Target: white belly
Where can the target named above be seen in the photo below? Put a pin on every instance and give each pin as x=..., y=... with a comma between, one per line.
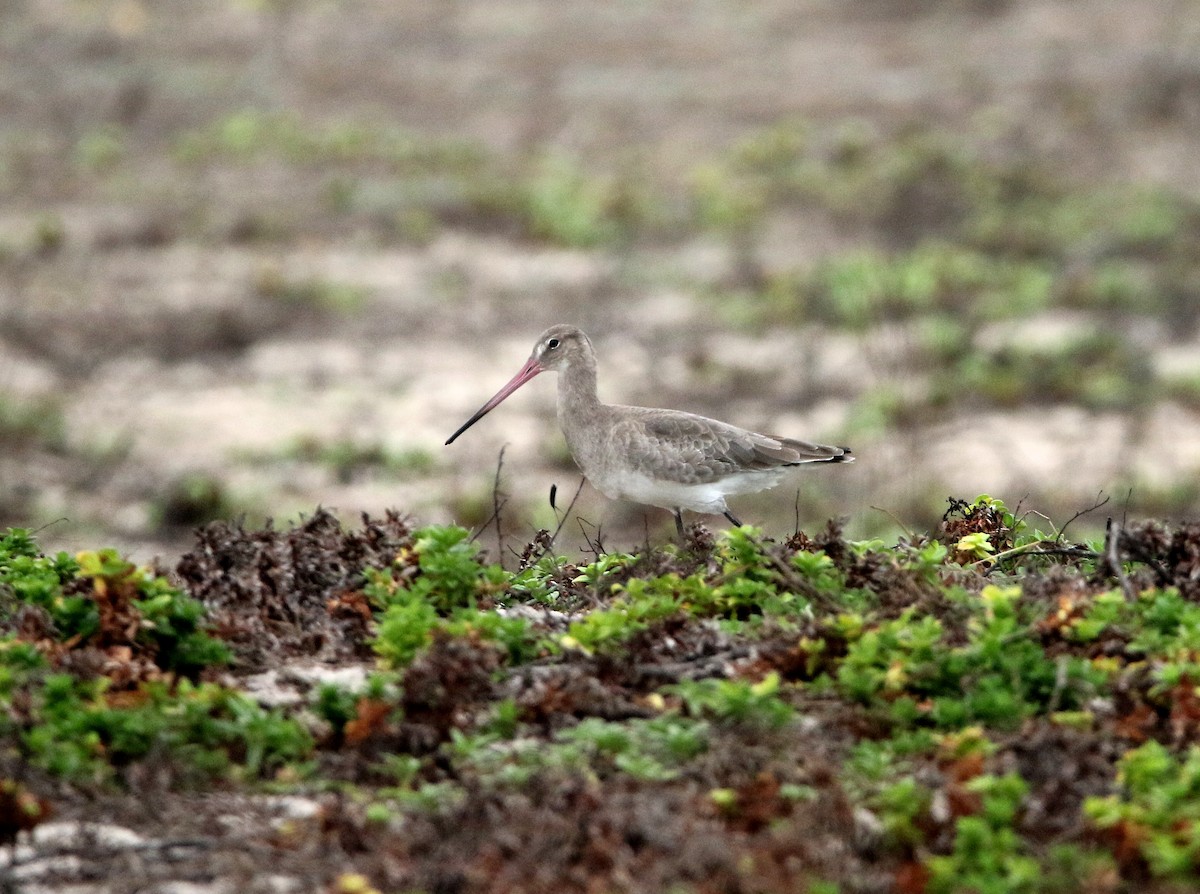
x=709, y=497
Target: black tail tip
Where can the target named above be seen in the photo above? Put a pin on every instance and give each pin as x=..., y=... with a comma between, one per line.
x=846, y=456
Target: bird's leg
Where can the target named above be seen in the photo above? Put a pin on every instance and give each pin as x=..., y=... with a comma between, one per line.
x=733, y=519
x=679, y=523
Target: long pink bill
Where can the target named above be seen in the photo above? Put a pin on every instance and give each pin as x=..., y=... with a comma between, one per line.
x=528, y=371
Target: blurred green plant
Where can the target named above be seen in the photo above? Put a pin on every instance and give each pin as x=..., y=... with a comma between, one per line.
x=313, y=292
x=1157, y=810
x=1099, y=370
x=201, y=731
x=347, y=458
x=989, y=856
x=738, y=702
x=191, y=500
x=101, y=149
x=253, y=134
x=652, y=750
x=88, y=727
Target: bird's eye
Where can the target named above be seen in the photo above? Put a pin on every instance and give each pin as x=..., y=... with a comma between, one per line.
x=552, y=344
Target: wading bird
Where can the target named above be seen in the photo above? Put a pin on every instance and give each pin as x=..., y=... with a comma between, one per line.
x=664, y=458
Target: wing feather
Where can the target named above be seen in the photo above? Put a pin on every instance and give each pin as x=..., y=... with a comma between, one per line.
x=691, y=449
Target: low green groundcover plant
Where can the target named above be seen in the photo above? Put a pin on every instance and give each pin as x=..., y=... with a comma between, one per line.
x=98, y=598
x=900, y=681
x=151, y=640
x=441, y=584
x=1158, y=808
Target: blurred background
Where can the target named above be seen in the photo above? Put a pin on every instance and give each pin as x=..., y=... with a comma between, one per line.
x=257, y=257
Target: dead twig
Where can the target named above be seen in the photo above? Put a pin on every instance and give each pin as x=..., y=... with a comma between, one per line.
x=596, y=547
x=61, y=519
x=896, y=519
x=543, y=540
x=567, y=512
x=1036, y=548
x=1112, y=537
x=1061, y=671
x=1082, y=512
x=498, y=505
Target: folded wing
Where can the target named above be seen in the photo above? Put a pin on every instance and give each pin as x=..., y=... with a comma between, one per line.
x=691, y=449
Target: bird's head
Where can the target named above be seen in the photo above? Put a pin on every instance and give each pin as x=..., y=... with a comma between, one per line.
x=555, y=350
x=558, y=347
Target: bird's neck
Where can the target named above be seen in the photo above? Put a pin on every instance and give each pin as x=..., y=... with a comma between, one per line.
x=577, y=390
x=582, y=418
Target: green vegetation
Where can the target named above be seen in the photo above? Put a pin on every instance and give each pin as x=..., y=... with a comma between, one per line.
x=998, y=677
x=551, y=197
x=1159, y=809
x=206, y=732
x=1096, y=370
x=937, y=279
x=440, y=585
x=737, y=701
x=988, y=854
x=556, y=202
x=101, y=149
x=348, y=459
x=963, y=246
x=98, y=597
x=1017, y=225
x=650, y=750
x=923, y=676
x=312, y=293
x=251, y=134
x=150, y=640
x=193, y=499
x=25, y=422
